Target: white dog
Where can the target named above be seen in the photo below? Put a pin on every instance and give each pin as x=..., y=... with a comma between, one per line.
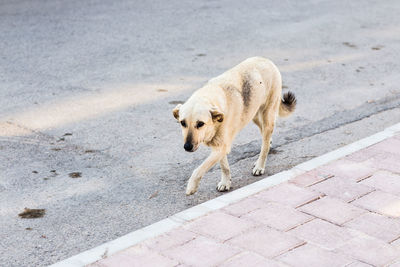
x=215, y=113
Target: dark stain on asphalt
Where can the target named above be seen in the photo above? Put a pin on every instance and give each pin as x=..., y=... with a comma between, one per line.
x=75, y=174
x=67, y=134
x=32, y=213
x=348, y=44
x=378, y=47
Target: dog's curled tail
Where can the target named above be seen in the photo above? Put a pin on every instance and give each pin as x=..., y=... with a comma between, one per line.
x=288, y=104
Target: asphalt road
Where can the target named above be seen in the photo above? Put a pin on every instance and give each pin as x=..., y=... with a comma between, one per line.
x=88, y=86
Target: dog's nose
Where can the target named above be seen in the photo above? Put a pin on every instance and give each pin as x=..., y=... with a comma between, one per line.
x=188, y=146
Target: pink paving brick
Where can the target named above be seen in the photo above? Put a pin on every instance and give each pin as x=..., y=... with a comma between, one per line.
x=391, y=145
x=364, y=154
x=172, y=238
x=396, y=243
x=378, y=226
x=265, y=241
x=342, y=188
x=220, y=225
x=201, y=251
x=380, y=202
x=377, y=151
x=310, y=178
x=288, y=194
x=137, y=256
x=244, y=206
x=333, y=210
x=322, y=233
x=370, y=250
x=345, y=168
x=358, y=264
x=278, y=216
x=250, y=259
x=313, y=256
x=385, y=181
x=387, y=161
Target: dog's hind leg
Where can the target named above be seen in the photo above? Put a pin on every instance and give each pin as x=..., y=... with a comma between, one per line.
x=198, y=173
x=225, y=183
x=266, y=121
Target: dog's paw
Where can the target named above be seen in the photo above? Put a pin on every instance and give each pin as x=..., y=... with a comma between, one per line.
x=191, y=188
x=190, y=191
x=224, y=186
x=258, y=171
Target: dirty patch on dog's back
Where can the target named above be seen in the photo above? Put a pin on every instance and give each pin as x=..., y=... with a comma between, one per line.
x=246, y=93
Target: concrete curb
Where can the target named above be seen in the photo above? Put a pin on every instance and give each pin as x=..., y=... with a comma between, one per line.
x=133, y=238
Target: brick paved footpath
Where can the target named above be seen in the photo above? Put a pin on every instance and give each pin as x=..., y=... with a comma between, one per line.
x=345, y=213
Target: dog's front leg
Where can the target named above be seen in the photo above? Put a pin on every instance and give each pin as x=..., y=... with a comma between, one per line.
x=213, y=158
x=225, y=183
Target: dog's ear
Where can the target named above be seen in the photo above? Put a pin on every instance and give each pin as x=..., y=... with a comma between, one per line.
x=175, y=111
x=217, y=115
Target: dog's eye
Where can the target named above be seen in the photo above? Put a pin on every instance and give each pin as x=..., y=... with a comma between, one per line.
x=183, y=123
x=199, y=124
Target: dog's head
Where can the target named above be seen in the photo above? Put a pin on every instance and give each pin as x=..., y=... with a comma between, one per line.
x=199, y=123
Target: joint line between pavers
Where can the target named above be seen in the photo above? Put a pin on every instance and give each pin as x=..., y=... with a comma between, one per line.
x=397, y=238
x=300, y=224
x=316, y=217
x=310, y=201
x=293, y=248
x=326, y=177
x=363, y=195
x=364, y=178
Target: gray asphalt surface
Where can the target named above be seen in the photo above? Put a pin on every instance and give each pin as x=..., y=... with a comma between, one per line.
x=88, y=86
